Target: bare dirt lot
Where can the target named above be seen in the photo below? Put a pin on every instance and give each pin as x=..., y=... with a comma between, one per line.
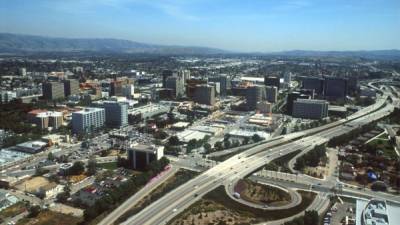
x=33, y=184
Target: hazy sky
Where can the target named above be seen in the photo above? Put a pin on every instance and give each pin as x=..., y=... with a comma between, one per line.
x=242, y=25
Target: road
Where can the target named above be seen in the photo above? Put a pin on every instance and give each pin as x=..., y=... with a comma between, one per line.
x=133, y=200
x=295, y=197
x=239, y=166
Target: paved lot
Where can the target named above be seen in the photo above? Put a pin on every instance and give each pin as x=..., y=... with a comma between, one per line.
x=342, y=212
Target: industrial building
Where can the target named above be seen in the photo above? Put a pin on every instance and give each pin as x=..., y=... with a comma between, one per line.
x=149, y=110
x=310, y=109
x=140, y=155
x=30, y=147
x=88, y=120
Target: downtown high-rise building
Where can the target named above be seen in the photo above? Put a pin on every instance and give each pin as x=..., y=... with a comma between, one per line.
x=88, y=120
x=53, y=90
x=116, y=113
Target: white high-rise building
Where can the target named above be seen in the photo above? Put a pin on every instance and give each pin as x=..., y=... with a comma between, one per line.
x=87, y=120
x=128, y=90
x=22, y=72
x=287, y=79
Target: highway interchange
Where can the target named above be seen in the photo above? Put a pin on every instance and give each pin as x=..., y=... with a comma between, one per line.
x=231, y=170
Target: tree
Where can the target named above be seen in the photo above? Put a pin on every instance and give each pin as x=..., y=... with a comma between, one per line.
x=63, y=196
x=218, y=146
x=34, y=211
x=311, y=218
x=173, y=140
x=246, y=140
x=207, y=147
x=191, y=145
x=77, y=168
x=91, y=166
x=300, y=163
x=50, y=156
x=256, y=138
x=227, y=143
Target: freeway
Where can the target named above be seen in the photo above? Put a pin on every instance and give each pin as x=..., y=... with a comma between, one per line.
x=239, y=166
x=133, y=200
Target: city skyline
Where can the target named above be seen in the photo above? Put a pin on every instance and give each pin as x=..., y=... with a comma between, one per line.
x=230, y=25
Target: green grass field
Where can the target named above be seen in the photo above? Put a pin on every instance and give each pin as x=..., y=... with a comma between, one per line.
x=108, y=166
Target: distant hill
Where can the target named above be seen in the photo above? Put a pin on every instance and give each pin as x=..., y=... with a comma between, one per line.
x=17, y=43
x=378, y=54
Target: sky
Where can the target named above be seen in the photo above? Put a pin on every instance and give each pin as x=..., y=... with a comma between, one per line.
x=236, y=25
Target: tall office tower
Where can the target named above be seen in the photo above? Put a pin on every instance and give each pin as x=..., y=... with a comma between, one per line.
x=272, y=81
x=165, y=75
x=291, y=97
x=217, y=86
x=177, y=85
x=352, y=85
x=314, y=83
x=87, y=120
x=310, y=109
x=71, y=87
x=22, y=72
x=191, y=86
x=204, y=94
x=224, y=81
x=116, y=88
x=335, y=88
x=254, y=95
x=185, y=74
x=53, y=90
x=128, y=90
x=116, y=114
x=287, y=79
x=271, y=94
x=264, y=107
x=309, y=92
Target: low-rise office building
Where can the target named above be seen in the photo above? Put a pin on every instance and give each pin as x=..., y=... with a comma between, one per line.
x=310, y=109
x=141, y=155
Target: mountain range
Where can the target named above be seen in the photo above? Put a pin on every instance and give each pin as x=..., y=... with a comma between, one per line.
x=18, y=43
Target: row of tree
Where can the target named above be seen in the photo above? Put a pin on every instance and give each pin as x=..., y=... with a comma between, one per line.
x=344, y=138
x=309, y=218
x=311, y=158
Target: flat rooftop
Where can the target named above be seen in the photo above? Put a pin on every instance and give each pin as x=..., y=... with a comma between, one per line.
x=89, y=110
x=392, y=212
x=8, y=156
